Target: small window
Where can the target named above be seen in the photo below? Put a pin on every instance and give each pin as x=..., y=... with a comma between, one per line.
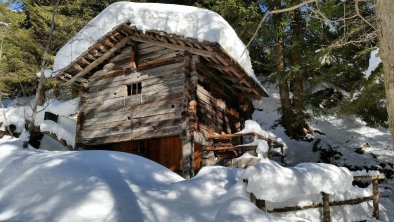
x=50, y=116
x=134, y=89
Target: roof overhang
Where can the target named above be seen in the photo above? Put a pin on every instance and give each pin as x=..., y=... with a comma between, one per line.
x=119, y=36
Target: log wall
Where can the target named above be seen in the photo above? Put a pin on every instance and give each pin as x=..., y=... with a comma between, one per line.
x=216, y=114
x=109, y=114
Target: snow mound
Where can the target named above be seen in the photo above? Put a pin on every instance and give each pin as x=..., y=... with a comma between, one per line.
x=65, y=128
x=272, y=182
x=74, y=186
x=82, y=186
x=196, y=23
x=251, y=126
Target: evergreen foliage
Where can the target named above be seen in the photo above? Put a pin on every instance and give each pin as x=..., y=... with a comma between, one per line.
x=329, y=43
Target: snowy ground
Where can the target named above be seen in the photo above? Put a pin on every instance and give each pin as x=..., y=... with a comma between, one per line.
x=112, y=186
x=342, y=136
x=19, y=109
x=39, y=185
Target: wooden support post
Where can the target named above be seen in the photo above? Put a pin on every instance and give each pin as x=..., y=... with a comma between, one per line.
x=133, y=58
x=186, y=156
x=83, y=94
x=326, y=207
x=269, y=150
x=375, y=198
x=261, y=204
x=255, y=138
x=190, y=103
x=282, y=157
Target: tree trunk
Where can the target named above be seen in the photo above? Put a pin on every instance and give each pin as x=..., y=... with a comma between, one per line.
x=280, y=63
x=42, y=76
x=296, y=54
x=282, y=78
x=297, y=121
x=385, y=28
x=283, y=81
x=42, y=97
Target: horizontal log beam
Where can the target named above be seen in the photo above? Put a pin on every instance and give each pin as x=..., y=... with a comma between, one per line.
x=200, y=52
x=98, y=61
x=320, y=205
x=363, y=178
x=218, y=67
x=218, y=148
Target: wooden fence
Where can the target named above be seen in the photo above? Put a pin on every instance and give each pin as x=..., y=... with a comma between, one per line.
x=326, y=203
x=233, y=142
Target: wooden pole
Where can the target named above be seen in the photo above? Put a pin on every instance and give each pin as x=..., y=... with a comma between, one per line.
x=375, y=198
x=282, y=157
x=269, y=153
x=326, y=207
x=259, y=203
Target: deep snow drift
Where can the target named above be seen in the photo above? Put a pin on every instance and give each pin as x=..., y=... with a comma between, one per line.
x=113, y=186
x=40, y=185
x=64, y=128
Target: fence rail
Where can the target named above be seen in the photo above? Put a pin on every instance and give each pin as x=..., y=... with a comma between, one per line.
x=326, y=204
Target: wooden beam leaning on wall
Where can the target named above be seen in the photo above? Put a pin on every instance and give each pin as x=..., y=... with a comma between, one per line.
x=190, y=106
x=98, y=61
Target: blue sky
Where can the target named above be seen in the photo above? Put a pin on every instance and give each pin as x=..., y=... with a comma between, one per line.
x=15, y=6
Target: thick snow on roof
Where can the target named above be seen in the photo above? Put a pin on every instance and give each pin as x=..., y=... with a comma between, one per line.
x=197, y=23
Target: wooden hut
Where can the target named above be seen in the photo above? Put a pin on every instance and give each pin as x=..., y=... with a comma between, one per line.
x=158, y=95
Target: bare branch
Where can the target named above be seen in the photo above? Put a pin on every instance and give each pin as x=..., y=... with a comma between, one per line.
x=276, y=11
x=299, y=5
x=369, y=37
x=25, y=96
x=359, y=14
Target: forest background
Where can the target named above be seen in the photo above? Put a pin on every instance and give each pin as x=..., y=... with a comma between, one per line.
x=317, y=55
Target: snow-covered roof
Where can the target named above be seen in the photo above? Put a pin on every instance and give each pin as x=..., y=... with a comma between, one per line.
x=191, y=22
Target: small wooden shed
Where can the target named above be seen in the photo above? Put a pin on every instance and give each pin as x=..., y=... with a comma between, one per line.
x=158, y=95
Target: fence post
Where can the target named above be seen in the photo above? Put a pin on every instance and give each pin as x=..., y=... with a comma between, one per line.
x=255, y=138
x=282, y=158
x=269, y=153
x=259, y=203
x=375, y=198
x=326, y=207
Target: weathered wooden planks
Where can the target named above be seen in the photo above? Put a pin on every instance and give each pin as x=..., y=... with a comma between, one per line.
x=123, y=104
x=101, y=59
x=135, y=135
x=111, y=112
x=215, y=114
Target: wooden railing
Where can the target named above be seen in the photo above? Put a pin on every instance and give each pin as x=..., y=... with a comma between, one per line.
x=326, y=203
x=232, y=143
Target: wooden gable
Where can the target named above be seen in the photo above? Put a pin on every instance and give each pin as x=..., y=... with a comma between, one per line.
x=212, y=55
